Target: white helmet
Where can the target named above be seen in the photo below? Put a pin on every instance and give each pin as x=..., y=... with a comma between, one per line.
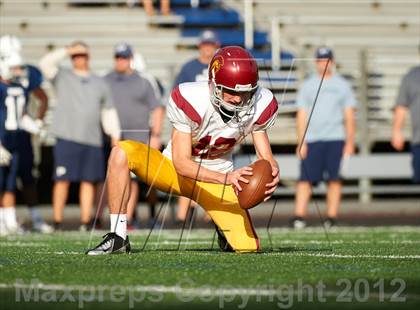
x=7, y=62
x=10, y=44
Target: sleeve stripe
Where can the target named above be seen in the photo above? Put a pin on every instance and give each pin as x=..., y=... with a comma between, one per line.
x=269, y=111
x=185, y=106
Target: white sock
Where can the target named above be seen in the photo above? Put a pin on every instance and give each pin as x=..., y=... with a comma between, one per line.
x=1, y=216
x=9, y=215
x=119, y=224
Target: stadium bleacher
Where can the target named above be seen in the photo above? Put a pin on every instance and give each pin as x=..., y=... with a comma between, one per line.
x=212, y=17
x=226, y=36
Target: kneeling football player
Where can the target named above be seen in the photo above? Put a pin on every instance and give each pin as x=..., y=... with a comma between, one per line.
x=209, y=119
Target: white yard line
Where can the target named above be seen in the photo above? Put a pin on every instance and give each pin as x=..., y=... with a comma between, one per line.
x=291, y=241
x=332, y=255
x=64, y=253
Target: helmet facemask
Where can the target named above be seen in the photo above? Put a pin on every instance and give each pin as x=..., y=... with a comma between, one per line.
x=10, y=65
x=228, y=111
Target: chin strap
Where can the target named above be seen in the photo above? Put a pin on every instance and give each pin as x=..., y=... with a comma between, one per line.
x=226, y=115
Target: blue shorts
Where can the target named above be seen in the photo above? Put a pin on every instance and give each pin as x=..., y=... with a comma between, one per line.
x=8, y=174
x=19, y=144
x=77, y=162
x=416, y=163
x=322, y=162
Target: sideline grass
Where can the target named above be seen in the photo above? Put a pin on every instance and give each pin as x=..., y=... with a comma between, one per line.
x=360, y=268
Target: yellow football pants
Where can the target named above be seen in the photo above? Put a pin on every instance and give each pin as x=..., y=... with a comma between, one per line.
x=218, y=200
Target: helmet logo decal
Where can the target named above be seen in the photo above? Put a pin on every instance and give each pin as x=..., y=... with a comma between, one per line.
x=217, y=64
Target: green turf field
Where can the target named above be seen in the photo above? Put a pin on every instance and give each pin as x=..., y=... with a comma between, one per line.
x=359, y=268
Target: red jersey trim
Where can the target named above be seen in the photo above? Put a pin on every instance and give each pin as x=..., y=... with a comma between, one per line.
x=185, y=106
x=269, y=111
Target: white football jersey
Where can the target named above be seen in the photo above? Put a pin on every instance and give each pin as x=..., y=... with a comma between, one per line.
x=190, y=110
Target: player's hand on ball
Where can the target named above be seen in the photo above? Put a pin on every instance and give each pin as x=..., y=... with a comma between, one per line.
x=271, y=187
x=235, y=176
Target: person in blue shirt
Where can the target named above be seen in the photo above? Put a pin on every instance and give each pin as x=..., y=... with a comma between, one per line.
x=329, y=137
x=196, y=70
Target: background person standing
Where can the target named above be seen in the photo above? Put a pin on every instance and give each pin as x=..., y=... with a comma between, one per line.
x=30, y=78
x=330, y=135
x=84, y=101
x=408, y=100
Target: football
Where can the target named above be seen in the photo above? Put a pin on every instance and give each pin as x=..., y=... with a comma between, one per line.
x=253, y=193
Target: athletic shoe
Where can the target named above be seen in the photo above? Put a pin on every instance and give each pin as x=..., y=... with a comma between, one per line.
x=83, y=227
x=111, y=244
x=221, y=240
x=330, y=222
x=42, y=228
x=15, y=230
x=297, y=222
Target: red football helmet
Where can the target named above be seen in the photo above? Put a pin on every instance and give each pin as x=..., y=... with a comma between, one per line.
x=233, y=68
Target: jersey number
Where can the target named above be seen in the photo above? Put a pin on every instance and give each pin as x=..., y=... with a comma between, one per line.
x=221, y=146
x=14, y=105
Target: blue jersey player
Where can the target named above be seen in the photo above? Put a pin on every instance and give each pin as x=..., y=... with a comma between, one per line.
x=30, y=78
x=13, y=99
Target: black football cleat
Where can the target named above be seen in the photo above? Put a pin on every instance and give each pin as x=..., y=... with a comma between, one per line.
x=112, y=244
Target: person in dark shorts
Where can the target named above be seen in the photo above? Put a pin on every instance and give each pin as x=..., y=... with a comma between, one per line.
x=84, y=103
x=329, y=137
x=409, y=100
